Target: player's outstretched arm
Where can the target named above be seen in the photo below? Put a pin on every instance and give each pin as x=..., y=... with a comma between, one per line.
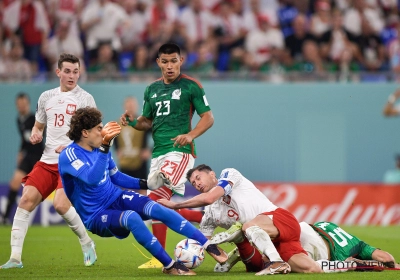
x=141, y=123
x=37, y=133
x=200, y=200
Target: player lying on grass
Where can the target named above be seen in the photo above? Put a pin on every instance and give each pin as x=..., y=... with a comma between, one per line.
x=272, y=230
x=91, y=181
x=330, y=246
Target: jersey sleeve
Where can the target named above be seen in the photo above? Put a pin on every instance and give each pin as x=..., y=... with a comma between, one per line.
x=207, y=224
x=90, y=101
x=40, y=115
x=199, y=99
x=366, y=251
x=121, y=179
x=229, y=175
x=72, y=162
x=146, y=112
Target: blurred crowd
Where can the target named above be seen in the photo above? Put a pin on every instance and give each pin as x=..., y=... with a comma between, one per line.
x=121, y=37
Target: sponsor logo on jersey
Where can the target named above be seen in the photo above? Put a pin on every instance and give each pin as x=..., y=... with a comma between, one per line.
x=71, y=108
x=60, y=101
x=104, y=218
x=77, y=164
x=154, y=96
x=176, y=94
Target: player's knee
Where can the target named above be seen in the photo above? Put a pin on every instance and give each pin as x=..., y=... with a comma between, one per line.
x=153, y=181
x=29, y=202
x=61, y=206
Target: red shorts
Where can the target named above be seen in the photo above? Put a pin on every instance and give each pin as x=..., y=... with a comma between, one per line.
x=288, y=242
x=44, y=177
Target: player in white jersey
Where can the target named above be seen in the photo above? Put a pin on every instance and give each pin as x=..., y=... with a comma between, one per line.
x=273, y=231
x=54, y=110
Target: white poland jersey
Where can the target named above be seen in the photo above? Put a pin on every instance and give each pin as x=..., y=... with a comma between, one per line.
x=55, y=109
x=241, y=202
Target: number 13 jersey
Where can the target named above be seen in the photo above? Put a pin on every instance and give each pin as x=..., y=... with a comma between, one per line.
x=55, y=109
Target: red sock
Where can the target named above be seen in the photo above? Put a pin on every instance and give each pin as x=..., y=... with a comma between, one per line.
x=159, y=229
x=251, y=257
x=191, y=215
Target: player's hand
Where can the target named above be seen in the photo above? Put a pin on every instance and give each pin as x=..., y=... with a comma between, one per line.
x=109, y=132
x=167, y=203
x=36, y=138
x=182, y=140
x=125, y=117
x=59, y=149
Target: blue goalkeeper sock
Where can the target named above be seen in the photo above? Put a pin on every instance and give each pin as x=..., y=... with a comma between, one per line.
x=134, y=223
x=174, y=221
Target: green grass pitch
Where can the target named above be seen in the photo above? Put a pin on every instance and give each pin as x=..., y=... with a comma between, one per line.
x=54, y=253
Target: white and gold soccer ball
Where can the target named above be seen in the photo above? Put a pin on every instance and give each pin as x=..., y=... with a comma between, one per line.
x=190, y=253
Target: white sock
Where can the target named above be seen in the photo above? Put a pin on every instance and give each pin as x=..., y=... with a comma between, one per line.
x=334, y=266
x=18, y=233
x=75, y=223
x=263, y=242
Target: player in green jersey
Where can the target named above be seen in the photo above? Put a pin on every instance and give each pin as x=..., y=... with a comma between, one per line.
x=331, y=247
x=169, y=105
x=333, y=243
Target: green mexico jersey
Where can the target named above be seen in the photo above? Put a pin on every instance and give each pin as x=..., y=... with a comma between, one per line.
x=342, y=244
x=171, y=108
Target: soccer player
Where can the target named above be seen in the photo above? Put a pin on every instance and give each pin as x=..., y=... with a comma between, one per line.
x=169, y=105
x=331, y=247
x=325, y=241
x=28, y=154
x=54, y=110
x=90, y=178
x=272, y=230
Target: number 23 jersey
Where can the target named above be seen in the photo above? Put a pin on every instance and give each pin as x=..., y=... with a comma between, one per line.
x=171, y=108
x=55, y=109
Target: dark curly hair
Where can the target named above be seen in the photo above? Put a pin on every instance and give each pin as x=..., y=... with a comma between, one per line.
x=84, y=118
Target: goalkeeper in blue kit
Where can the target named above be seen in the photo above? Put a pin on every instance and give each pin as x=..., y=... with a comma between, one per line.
x=93, y=184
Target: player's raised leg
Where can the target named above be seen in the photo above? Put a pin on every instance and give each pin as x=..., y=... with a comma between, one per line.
x=180, y=225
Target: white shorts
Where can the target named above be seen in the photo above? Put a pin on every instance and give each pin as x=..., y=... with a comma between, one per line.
x=175, y=165
x=313, y=243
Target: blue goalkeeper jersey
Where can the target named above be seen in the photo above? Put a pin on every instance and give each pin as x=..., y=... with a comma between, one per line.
x=90, y=180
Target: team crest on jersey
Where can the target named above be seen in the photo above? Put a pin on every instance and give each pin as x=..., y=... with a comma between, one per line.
x=176, y=94
x=71, y=108
x=104, y=218
x=227, y=199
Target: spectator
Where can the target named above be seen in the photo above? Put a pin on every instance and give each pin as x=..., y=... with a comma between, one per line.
x=262, y=44
x=373, y=53
x=198, y=23
x=100, y=22
x=392, y=176
x=353, y=18
x=321, y=20
x=15, y=67
x=287, y=12
x=133, y=33
x=63, y=41
x=70, y=10
x=230, y=34
x=336, y=46
x=104, y=67
x=28, y=19
x=301, y=47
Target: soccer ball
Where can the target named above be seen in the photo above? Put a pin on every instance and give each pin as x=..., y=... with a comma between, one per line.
x=190, y=253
